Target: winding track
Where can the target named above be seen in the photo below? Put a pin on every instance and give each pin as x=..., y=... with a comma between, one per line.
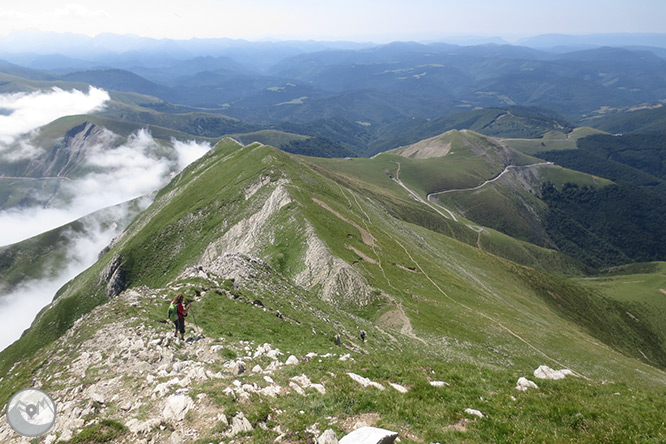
x=406, y=328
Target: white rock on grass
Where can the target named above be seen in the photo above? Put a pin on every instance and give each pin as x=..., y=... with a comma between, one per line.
x=370, y=435
x=176, y=407
x=237, y=368
x=239, y=424
x=292, y=360
x=439, y=384
x=328, y=437
x=320, y=388
x=271, y=391
x=365, y=382
x=297, y=388
x=302, y=380
x=525, y=384
x=398, y=387
x=545, y=372
x=474, y=412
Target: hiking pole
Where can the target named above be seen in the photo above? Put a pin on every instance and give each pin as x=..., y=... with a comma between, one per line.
x=195, y=322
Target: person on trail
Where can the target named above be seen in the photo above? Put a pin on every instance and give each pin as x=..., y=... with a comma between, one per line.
x=363, y=335
x=181, y=311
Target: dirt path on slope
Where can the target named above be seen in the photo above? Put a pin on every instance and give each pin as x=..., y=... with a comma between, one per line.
x=506, y=170
x=416, y=196
x=366, y=237
x=404, y=322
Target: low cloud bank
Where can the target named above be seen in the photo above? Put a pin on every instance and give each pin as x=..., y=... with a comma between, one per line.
x=120, y=173
x=20, y=306
x=24, y=112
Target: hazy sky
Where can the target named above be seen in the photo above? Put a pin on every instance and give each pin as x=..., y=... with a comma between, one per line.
x=362, y=20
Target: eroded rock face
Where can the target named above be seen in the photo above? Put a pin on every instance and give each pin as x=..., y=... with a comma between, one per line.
x=338, y=279
x=114, y=276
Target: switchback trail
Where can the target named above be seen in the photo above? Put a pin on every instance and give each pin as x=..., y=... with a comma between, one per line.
x=422, y=200
x=506, y=170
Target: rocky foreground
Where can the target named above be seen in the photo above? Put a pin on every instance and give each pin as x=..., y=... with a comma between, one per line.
x=156, y=388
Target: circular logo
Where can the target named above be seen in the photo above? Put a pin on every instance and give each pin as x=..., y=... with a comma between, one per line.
x=31, y=412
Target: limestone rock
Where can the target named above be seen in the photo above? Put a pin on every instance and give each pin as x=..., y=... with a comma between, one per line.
x=365, y=381
x=545, y=372
x=292, y=360
x=238, y=368
x=297, y=388
x=320, y=388
x=369, y=435
x=239, y=424
x=302, y=380
x=474, y=412
x=439, y=384
x=398, y=387
x=328, y=437
x=176, y=407
x=525, y=384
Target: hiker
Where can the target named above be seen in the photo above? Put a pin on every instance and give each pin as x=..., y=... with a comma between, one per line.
x=181, y=312
x=363, y=335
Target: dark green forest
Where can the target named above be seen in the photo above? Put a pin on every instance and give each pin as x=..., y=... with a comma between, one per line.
x=639, y=159
x=609, y=226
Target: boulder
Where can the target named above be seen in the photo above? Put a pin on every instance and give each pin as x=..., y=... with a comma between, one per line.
x=525, y=384
x=238, y=368
x=369, y=435
x=302, y=380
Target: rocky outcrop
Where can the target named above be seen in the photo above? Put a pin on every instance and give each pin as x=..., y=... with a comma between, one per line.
x=114, y=277
x=70, y=152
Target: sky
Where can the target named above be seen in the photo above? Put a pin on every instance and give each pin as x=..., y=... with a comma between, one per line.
x=367, y=20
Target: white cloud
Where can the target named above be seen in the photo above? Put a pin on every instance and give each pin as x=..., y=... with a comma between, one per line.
x=189, y=151
x=24, y=302
x=30, y=111
x=120, y=173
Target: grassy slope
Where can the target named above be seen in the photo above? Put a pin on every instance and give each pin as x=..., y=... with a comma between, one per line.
x=551, y=141
x=483, y=318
